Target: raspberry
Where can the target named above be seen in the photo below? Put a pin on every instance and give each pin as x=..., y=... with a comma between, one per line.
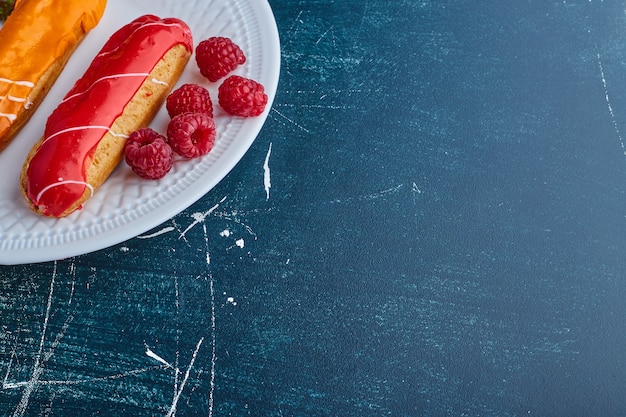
x=191, y=134
x=189, y=98
x=241, y=96
x=148, y=154
x=217, y=56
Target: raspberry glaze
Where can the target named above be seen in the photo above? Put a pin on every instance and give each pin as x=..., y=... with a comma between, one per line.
x=57, y=173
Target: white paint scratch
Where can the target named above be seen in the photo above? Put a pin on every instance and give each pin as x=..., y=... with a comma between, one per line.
x=383, y=192
x=13, y=355
x=266, y=173
x=206, y=244
x=172, y=411
x=177, y=306
x=608, y=102
x=158, y=233
x=293, y=30
x=213, y=344
x=37, y=368
x=73, y=275
x=49, y=343
x=213, y=320
x=324, y=35
x=121, y=375
x=291, y=121
x=157, y=358
x=198, y=219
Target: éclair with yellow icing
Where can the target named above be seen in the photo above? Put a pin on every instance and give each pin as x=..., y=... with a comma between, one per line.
x=36, y=41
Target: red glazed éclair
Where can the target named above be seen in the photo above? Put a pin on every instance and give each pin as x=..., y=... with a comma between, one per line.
x=36, y=41
x=120, y=92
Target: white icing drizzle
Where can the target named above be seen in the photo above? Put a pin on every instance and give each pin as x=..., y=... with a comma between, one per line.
x=144, y=25
x=20, y=83
x=137, y=74
x=15, y=99
x=73, y=129
x=56, y=184
x=118, y=135
x=154, y=80
x=11, y=117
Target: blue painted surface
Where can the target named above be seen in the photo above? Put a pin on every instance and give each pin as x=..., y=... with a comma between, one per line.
x=445, y=235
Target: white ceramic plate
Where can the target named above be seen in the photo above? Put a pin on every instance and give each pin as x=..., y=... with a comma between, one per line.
x=126, y=206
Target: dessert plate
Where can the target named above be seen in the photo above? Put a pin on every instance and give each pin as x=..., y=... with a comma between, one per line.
x=126, y=206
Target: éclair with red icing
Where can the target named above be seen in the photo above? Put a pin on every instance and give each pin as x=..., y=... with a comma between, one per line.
x=37, y=39
x=120, y=92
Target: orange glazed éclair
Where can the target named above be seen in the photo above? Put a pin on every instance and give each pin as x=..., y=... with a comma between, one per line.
x=36, y=41
x=120, y=92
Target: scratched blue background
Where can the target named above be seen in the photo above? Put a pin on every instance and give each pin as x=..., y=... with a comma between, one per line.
x=445, y=235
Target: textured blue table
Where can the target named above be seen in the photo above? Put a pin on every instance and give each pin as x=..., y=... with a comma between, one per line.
x=445, y=235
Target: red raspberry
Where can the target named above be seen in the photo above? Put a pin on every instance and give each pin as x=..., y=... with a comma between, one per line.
x=241, y=96
x=189, y=98
x=148, y=154
x=217, y=56
x=191, y=134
